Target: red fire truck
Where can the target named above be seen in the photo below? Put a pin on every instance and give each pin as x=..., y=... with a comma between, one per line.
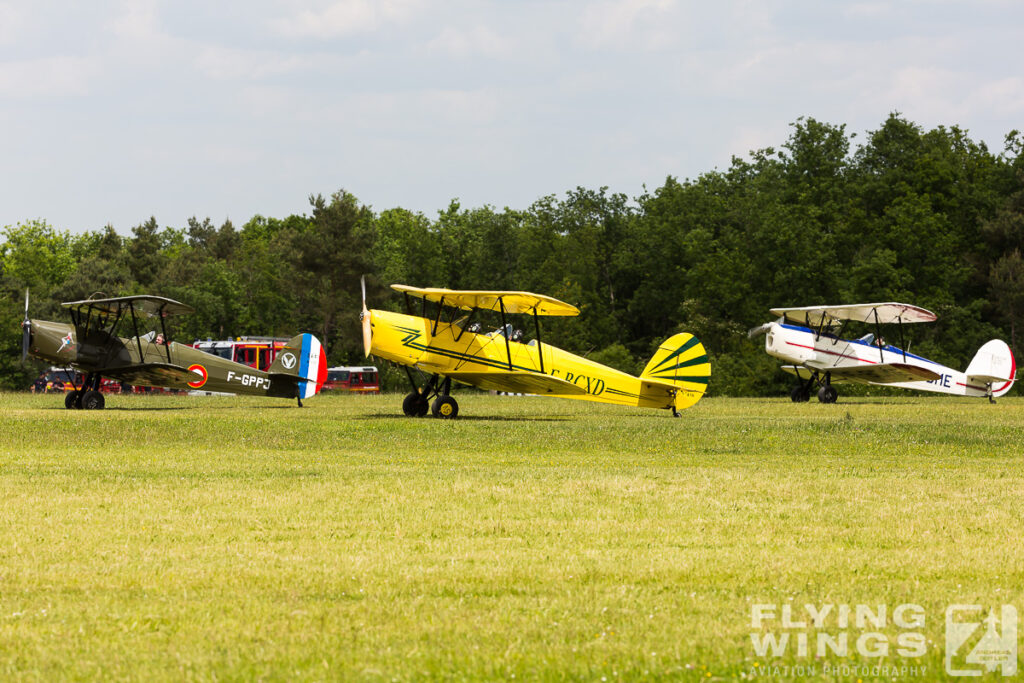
x=256, y=352
x=361, y=379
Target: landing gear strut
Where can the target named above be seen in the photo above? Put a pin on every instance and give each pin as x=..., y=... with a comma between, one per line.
x=417, y=402
x=827, y=393
x=88, y=396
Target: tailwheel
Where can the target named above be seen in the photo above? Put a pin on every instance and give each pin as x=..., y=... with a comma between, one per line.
x=415, y=404
x=800, y=394
x=92, y=400
x=827, y=394
x=71, y=400
x=445, y=407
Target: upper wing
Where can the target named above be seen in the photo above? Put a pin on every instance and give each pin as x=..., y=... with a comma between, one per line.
x=512, y=302
x=142, y=305
x=889, y=312
x=524, y=382
x=152, y=374
x=879, y=373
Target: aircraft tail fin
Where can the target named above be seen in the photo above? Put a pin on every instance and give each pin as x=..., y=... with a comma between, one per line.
x=993, y=364
x=682, y=361
x=304, y=360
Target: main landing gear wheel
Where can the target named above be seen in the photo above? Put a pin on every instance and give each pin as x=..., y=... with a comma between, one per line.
x=71, y=400
x=445, y=407
x=415, y=404
x=800, y=394
x=827, y=394
x=92, y=400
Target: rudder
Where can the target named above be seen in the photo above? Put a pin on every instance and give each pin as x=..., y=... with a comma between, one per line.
x=681, y=360
x=993, y=364
x=302, y=358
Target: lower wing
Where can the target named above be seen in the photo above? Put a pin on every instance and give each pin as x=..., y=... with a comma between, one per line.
x=152, y=374
x=516, y=382
x=879, y=373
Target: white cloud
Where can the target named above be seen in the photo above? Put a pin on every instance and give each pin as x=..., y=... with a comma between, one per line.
x=621, y=23
x=138, y=21
x=12, y=22
x=346, y=17
x=223, y=63
x=59, y=76
x=1004, y=97
x=423, y=110
x=475, y=41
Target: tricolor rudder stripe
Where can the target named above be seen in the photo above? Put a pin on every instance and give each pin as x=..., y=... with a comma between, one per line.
x=312, y=367
x=681, y=360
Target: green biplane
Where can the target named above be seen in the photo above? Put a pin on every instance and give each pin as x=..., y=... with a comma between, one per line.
x=92, y=345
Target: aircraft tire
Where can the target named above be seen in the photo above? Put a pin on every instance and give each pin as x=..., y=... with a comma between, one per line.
x=415, y=405
x=799, y=394
x=93, y=400
x=445, y=408
x=827, y=394
x=71, y=400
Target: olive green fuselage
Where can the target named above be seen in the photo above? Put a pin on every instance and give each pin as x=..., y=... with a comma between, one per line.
x=145, y=362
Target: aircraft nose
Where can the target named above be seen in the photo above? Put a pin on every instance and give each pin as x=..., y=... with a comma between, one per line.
x=367, y=319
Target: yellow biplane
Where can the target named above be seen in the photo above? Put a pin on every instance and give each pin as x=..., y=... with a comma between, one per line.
x=450, y=345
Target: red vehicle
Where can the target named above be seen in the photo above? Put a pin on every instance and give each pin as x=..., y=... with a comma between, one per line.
x=362, y=379
x=59, y=380
x=256, y=352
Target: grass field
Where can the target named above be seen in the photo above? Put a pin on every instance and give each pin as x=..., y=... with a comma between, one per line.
x=229, y=538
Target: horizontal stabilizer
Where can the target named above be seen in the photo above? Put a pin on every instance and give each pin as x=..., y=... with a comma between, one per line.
x=517, y=382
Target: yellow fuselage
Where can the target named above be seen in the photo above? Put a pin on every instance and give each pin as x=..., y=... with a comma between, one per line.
x=490, y=362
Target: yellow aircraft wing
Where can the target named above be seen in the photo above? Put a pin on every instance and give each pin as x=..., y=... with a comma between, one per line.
x=513, y=302
x=525, y=382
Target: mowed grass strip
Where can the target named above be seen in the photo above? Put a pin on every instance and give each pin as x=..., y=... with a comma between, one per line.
x=211, y=538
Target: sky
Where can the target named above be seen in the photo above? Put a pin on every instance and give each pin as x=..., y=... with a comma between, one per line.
x=112, y=112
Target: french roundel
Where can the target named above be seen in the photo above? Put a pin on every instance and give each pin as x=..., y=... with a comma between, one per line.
x=199, y=370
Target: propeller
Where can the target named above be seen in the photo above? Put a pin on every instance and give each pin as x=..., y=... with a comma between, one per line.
x=26, y=331
x=760, y=329
x=364, y=316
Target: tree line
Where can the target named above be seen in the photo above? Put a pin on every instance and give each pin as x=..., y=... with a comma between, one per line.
x=904, y=214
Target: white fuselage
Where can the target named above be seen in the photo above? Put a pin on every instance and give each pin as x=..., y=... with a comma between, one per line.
x=810, y=352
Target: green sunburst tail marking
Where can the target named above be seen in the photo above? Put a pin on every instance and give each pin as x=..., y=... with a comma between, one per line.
x=682, y=361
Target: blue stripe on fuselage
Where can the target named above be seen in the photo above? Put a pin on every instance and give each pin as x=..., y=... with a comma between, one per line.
x=304, y=357
x=893, y=349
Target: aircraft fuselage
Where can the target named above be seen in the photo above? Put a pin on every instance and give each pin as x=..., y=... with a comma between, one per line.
x=811, y=352
x=448, y=349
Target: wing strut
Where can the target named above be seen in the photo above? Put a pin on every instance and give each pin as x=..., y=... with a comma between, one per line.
x=465, y=326
x=839, y=334
x=504, y=332
x=135, y=326
x=903, y=344
x=540, y=353
x=167, y=341
x=878, y=337
x=440, y=310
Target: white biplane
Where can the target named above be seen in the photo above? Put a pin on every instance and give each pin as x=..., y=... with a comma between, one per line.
x=808, y=338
